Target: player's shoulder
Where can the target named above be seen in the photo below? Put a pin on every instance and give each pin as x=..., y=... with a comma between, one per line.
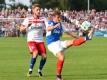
x=29, y=17
x=42, y=18
x=50, y=22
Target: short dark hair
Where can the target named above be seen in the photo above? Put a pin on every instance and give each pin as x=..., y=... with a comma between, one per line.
x=36, y=5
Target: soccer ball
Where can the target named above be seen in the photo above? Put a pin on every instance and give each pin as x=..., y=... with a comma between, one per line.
x=85, y=25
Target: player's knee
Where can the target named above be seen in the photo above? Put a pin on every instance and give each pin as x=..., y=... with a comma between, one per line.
x=44, y=56
x=35, y=53
x=60, y=57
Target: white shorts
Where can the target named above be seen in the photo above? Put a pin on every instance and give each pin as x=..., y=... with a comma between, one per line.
x=57, y=46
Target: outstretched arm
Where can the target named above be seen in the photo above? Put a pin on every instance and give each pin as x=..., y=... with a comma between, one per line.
x=72, y=35
x=49, y=28
x=24, y=25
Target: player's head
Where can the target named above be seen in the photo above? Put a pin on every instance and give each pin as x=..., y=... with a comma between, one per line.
x=36, y=9
x=56, y=16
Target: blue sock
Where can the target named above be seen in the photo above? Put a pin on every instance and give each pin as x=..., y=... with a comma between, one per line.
x=87, y=37
x=42, y=63
x=33, y=60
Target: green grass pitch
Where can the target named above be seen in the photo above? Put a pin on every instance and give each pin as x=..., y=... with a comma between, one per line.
x=85, y=62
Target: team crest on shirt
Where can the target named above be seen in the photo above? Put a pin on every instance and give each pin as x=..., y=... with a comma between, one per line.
x=51, y=24
x=35, y=26
x=57, y=31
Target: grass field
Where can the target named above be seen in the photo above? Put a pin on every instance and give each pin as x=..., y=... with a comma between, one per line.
x=86, y=62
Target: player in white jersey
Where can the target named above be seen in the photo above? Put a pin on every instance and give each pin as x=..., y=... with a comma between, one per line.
x=34, y=27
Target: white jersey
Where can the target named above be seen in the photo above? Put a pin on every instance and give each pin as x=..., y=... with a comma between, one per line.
x=34, y=28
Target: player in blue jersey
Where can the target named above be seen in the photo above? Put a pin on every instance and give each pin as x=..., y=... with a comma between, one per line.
x=54, y=31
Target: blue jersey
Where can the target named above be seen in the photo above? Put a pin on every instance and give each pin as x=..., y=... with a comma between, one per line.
x=55, y=34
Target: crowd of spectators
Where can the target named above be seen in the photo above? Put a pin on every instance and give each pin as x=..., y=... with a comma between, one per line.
x=97, y=19
x=10, y=20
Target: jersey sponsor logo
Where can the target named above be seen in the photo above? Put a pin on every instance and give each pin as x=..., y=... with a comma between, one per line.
x=31, y=28
x=37, y=27
x=57, y=31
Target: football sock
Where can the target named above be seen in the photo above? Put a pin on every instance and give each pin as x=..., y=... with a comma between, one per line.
x=87, y=37
x=42, y=63
x=79, y=41
x=33, y=60
x=59, y=67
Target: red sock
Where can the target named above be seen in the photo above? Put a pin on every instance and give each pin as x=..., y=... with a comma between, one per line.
x=59, y=67
x=79, y=41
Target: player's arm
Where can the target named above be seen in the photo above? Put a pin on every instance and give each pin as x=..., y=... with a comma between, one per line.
x=71, y=21
x=65, y=19
x=72, y=34
x=24, y=25
x=50, y=26
x=68, y=32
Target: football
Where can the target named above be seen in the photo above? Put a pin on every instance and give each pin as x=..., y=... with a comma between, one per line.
x=85, y=25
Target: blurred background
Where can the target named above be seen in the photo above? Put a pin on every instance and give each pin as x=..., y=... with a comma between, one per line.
x=12, y=13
